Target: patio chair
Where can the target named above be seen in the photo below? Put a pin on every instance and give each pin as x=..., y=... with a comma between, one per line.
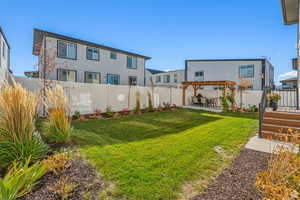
x=203, y=101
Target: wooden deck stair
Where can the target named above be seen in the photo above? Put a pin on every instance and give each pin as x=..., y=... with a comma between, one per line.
x=275, y=122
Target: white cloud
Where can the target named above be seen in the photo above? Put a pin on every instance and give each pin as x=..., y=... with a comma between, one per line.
x=286, y=75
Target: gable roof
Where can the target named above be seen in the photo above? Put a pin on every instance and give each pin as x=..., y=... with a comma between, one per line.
x=2, y=33
x=39, y=34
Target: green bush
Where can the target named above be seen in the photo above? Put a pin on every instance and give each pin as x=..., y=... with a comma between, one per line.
x=225, y=104
x=20, y=179
x=150, y=104
x=21, y=151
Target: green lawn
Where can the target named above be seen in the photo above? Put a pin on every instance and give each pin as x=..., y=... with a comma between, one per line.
x=152, y=155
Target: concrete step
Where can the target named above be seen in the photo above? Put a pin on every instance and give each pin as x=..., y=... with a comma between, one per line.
x=282, y=115
x=278, y=128
x=282, y=122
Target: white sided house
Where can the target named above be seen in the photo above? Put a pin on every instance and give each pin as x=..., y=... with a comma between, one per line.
x=172, y=78
x=259, y=72
x=4, y=56
x=70, y=59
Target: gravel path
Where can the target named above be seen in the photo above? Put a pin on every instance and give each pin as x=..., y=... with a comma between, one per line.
x=237, y=181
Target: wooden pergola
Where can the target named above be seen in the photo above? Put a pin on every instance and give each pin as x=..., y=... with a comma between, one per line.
x=197, y=84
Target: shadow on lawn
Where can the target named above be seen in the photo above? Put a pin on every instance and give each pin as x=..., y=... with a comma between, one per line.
x=135, y=128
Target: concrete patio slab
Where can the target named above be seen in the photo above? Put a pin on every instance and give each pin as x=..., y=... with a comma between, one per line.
x=268, y=146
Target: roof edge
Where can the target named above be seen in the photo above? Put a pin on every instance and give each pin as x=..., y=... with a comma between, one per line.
x=238, y=59
x=76, y=40
x=3, y=34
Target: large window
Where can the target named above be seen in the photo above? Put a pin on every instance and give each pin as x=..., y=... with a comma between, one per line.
x=92, y=53
x=132, y=80
x=247, y=71
x=175, y=78
x=66, y=50
x=92, y=77
x=157, y=79
x=199, y=76
x=113, y=55
x=166, y=78
x=113, y=79
x=131, y=62
x=66, y=75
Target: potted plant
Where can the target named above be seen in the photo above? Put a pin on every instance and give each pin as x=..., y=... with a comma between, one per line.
x=273, y=99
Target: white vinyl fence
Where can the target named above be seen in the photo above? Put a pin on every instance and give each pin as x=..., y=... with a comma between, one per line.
x=86, y=98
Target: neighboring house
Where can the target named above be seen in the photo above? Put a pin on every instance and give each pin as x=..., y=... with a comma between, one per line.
x=259, y=72
x=4, y=56
x=82, y=61
x=290, y=83
x=168, y=78
x=290, y=11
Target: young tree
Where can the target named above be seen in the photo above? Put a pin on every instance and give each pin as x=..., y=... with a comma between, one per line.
x=243, y=85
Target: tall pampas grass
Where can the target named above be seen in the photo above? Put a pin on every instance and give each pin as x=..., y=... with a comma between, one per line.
x=18, y=139
x=18, y=112
x=58, y=112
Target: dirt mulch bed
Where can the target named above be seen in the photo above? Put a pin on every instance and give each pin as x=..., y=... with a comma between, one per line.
x=89, y=184
x=237, y=181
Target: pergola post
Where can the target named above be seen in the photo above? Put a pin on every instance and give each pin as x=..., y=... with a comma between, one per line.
x=183, y=94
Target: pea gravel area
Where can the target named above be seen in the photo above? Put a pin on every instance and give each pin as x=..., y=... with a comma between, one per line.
x=237, y=181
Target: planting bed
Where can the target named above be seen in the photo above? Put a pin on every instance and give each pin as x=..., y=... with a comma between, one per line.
x=237, y=181
x=88, y=183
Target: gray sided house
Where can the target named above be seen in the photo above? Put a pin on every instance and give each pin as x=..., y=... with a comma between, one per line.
x=172, y=78
x=259, y=72
x=4, y=56
x=86, y=62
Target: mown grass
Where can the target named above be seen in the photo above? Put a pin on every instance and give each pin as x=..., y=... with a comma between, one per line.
x=151, y=156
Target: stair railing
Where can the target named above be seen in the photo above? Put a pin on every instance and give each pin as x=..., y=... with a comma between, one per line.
x=262, y=108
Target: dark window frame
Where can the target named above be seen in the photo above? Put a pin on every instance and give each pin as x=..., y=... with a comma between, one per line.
x=253, y=73
x=158, y=79
x=86, y=53
x=92, y=72
x=132, y=58
x=113, y=53
x=67, y=52
x=57, y=70
x=169, y=79
x=136, y=80
x=113, y=75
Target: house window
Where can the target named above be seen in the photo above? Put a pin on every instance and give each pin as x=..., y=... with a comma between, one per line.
x=157, y=79
x=66, y=50
x=113, y=55
x=247, y=71
x=92, y=53
x=3, y=49
x=66, y=75
x=166, y=78
x=175, y=78
x=199, y=76
x=131, y=62
x=92, y=77
x=132, y=80
x=113, y=79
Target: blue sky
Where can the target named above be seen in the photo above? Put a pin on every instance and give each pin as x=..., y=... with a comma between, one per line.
x=168, y=31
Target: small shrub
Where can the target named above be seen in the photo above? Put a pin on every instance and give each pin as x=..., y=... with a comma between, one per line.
x=150, y=104
x=273, y=97
x=77, y=114
x=125, y=111
x=109, y=111
x=20, y=180
x=58, y=163
x=58, y=111
x=63, y=188
x=167, y=106
x=138, y=102
x=21, y=151
x=281, y=179
x=224, y=103
x=253, y=108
